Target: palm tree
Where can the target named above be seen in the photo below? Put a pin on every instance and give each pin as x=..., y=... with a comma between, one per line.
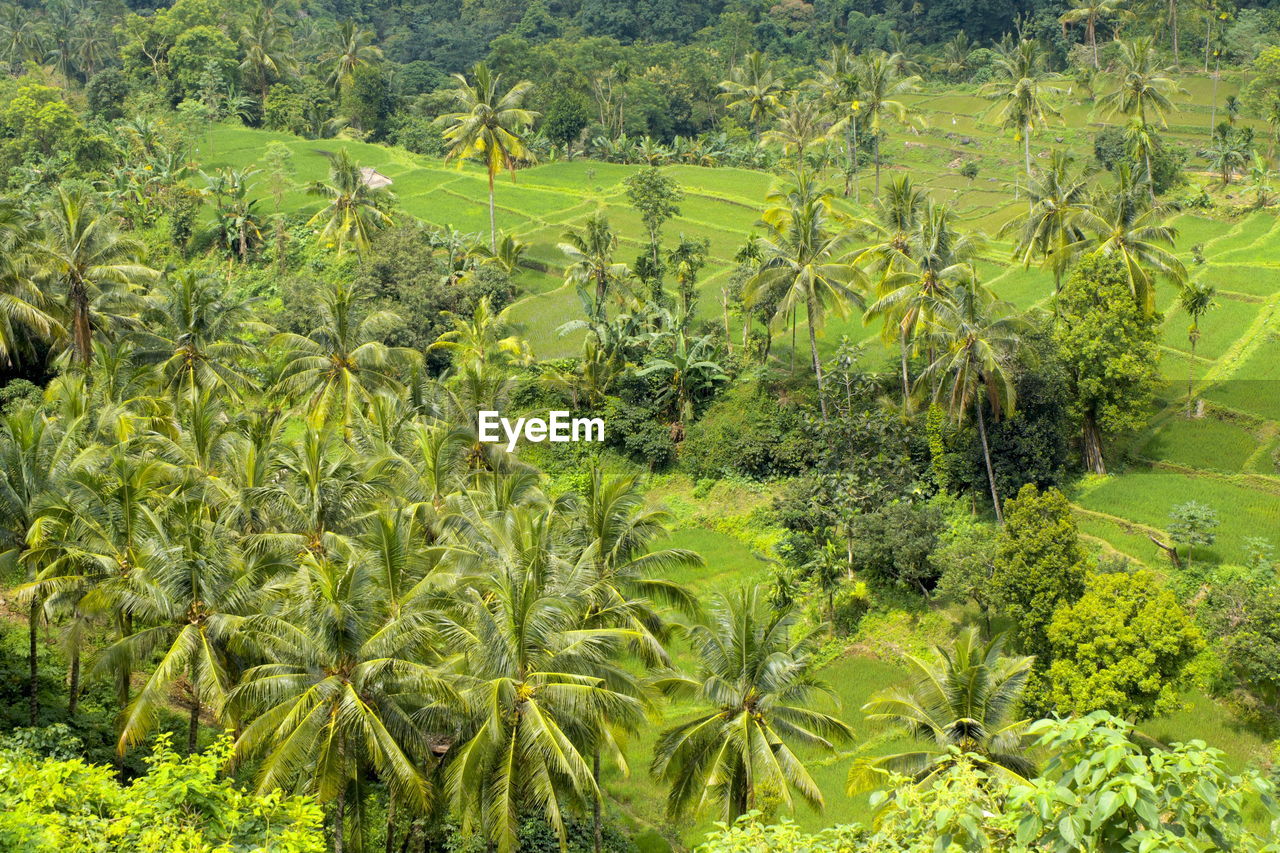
x=911, y=299
x=976, y=335
x=882, y=86
x=480, y=339
x=488, y=126
x=539, y=690
x=1091, y=12
x=1226, y=154
x=754, y=682
x=1049, y=229
x=806, y=260
x=1127, y=226
x=352, y=47
x=1197, y=298
x=339, y=692
x=36, y=453
x=1144, y=87
x=840, y=84
x=800, y=124
x=961, y=704
x=343, y=360
x=195, y=333
x=266, y=43
x=24, y=307
x=355, y=210
x=689, y=370
x=752, y=86
x=89, y=264
x=590, y=255
x=1023, y=87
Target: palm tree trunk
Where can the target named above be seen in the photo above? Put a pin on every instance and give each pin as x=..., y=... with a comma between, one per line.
x=857, y=187
x=1208, y=31
x=906, y=379
x=1151, y=184
x=193, y=719
x=877, y=147
x=817, y=363
x=1093, y=447
x=986, y=455
x=1173, y=24
x=391, y=823
x=1191, y=374
x=597, y=829
x=1093, y=40
x=493, y=228
x=73, y=681
x=1026, y=156
x=80, y=320
x=339, y=819
x=793, y=342
x=33, y=663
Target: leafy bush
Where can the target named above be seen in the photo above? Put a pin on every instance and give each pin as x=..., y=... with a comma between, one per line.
x=749, y=433
x=851, y=604
x=69, y=806
x=1110, y=149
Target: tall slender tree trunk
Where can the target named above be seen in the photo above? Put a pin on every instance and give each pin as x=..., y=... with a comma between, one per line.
x=1093, y=41
x=73, y=681
x=193, y=719
x=1093, y=447
x=813, y=353
x=1208, y=31
x=1151, y=183
x=493, y=228
x=391, y=824
x=33, y=663
x=1173, y=25
x=906, y=379
x=596, y=827
x=80, y=321
x=339, y=820
x=1026, y=156
x=877, y=148
x=986, y=455
x=1191, y=368
x=793, y=342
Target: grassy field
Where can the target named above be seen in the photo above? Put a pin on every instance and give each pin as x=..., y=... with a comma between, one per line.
x=1226, y=457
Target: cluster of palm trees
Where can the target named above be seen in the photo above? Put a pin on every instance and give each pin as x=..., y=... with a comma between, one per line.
x=300, y=537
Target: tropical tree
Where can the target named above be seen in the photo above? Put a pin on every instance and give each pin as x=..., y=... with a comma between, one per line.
x=1196, y=298
x=489, y=125
x=1090, y=12
x=840, y=85
x=1143, y=87
x=24, y=306
x=752, y=86
x=799, y=125
x=342, y=361
x=1023, y=89
x=352, y=47
x=806, y=261
x=354, y=210
x=963, y=703
x=539, y=689
x=688, y=370
x=266, y=44
x=882, y=86
x=589, y=252
x=338, y=692
x=975, y=335
x=754, y=681
x=89, y=265
x=1125, y=225
x=1049, y=229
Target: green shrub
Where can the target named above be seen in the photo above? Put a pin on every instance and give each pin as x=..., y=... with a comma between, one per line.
x=851, y=604
x=749, y=433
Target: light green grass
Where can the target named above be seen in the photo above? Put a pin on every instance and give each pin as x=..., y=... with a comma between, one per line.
x=1255, y=386
x=1219, y=328
x=1206, y=443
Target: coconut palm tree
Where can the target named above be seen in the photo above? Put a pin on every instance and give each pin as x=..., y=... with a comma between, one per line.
x=589, y=252
x=266, y=43
x=1196, y=298
x=354, y=211
x=688, y=369
x=36, y=454
x=1090, y=12
x=540, y=690
x=753, y=686
x=911, y=299
x=24, y=306
x=960, y=704
x=800, y=125
x=753, y=87
x=342, y=361
x=489, y=125
x=351, y=48
x=480, y=339
x=195, y=332
x=91, y=267
x=840, y=85
x=806, y=260
x=1023, y=89
x=975, y=336
x=337, y=697
x=1126, y=225
x=1049, y=229
x=882, y=86
x=1144, y=87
